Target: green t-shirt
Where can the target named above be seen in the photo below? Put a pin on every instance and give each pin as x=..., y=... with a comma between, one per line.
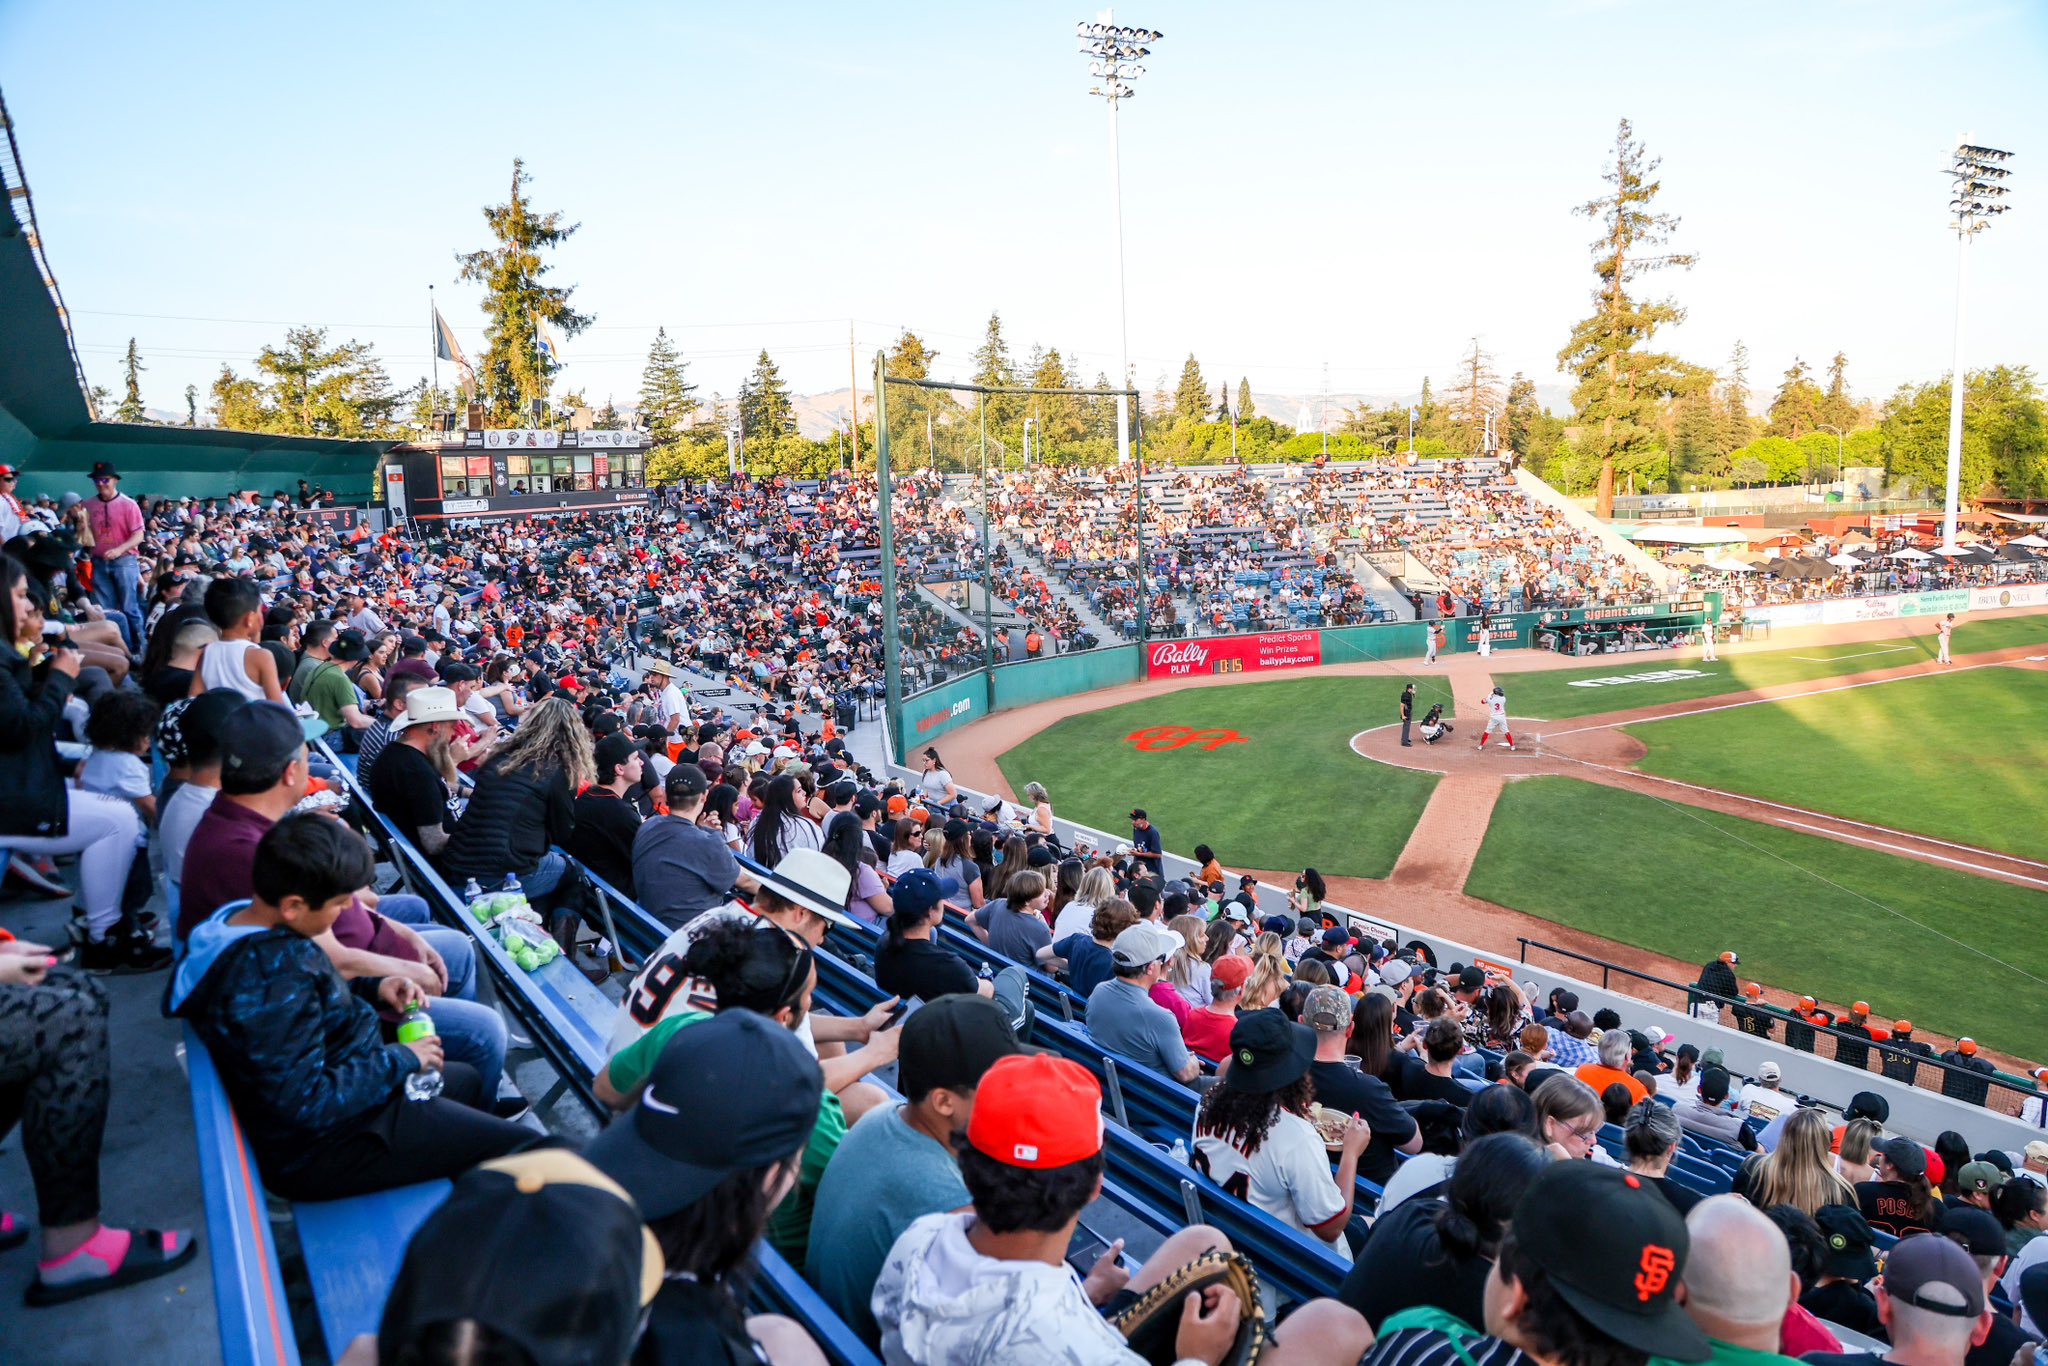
x=789, y=1228
x=1728, y=1354
x=323, y=685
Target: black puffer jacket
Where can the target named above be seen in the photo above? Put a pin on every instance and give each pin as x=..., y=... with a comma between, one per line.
x=511, y=820
x=31, y=774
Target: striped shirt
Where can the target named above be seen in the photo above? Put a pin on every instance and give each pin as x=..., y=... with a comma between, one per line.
x=1428, y=1347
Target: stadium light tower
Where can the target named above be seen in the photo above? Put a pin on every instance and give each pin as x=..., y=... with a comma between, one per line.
x=1113, y=52
x=1979, y=196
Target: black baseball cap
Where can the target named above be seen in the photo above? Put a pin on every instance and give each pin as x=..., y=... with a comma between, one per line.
x=728, y=1094
x=260, y=736
x=1615, y=1250
x=612, y=751
x=1138, y=814
x=487, y=1254
x=1929, y=1272
x=685, y=783
x=1976, y=1231
x=1268, y=1051
x=1868, y=1105
x=1909, y=1157
x=951, y=1043
x=1850, y=1243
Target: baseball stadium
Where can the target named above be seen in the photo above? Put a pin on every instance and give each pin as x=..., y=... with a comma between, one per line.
x=980, y=866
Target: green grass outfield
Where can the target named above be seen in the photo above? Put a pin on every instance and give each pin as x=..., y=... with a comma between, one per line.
x=1550, y=696
x=1691, y=883
x=1959, y=756
x=1293, y=796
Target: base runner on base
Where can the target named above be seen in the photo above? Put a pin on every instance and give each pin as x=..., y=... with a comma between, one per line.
x=1497, y=718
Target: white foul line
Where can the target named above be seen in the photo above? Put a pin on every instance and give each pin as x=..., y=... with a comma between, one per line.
x=1911, y=853
x=1793, y=697
x=1861, y=654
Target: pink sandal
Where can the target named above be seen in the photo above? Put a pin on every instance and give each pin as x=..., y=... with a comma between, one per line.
x=111, y=1258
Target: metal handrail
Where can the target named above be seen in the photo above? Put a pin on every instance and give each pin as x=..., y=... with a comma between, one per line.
x=1881, y=1046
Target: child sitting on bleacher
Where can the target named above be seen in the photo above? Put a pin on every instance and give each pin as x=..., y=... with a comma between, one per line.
x=120, y=730
x=319, y=1093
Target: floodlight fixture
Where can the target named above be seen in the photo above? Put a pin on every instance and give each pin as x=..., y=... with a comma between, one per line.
x=1978, y=197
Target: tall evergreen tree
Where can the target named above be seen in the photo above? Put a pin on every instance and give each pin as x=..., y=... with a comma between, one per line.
x=191, y=405
x=1520, y=412
x=131, y=409
x=909, y=357
x=765, y=409
x=668, y=401
x=1839, y=408
x=1477, y=394
x=1797, y=408
x=1621, y=384
x=512, y=371
x=1191, y=395
x=607, y=418
x=1223, y=400
x=1245, y=410
x=1738, y=428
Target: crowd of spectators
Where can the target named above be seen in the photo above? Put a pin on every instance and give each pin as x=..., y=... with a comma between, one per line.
x=506, y=696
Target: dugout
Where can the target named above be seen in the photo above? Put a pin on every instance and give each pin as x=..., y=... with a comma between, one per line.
x=1624, y=629
x=515, y=472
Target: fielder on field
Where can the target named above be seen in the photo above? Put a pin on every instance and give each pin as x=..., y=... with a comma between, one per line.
x=1707, y=656
x=1942, y=630
x=1497, y=718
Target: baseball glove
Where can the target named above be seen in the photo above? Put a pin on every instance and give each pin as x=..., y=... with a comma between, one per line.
x=1152, y=1324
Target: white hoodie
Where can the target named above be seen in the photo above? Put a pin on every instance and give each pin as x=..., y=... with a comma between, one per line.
x=939, y=1301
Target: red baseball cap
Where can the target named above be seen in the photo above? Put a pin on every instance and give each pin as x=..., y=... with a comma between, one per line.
x=1231, y=971
x=1036, y=1111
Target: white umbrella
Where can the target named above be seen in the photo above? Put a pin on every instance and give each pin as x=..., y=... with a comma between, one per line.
x=2031, y=541
x=1844, y=560
x=1909, y=554
x=1732, y=566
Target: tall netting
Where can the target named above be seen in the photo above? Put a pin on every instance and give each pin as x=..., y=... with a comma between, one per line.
x=1012, y=533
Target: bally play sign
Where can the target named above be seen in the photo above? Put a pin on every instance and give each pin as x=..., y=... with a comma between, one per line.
x=1234, y=654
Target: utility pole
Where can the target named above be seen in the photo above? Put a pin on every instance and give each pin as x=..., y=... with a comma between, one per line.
x=853, y=383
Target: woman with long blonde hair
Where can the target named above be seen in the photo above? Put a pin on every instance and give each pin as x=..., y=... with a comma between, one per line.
x=523, y=810
x=1800, y=1170
x=1857, y=1159
x=1269, y=974
x=1186, y=970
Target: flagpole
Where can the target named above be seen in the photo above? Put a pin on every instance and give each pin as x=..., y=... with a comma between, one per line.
x=434, y=345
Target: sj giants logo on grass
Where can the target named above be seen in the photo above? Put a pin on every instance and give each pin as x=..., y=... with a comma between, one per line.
x=1234, y=654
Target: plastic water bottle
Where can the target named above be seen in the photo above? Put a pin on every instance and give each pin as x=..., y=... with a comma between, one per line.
x=512, y=885
x=1178, y=1152
x=470, y=892
x=425, y=1083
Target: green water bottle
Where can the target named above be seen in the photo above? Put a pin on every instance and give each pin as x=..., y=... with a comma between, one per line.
x=425, y=1083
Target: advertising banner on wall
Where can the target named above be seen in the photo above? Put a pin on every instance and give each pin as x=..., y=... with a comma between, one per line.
x=1234, y=654
x=2010, y=595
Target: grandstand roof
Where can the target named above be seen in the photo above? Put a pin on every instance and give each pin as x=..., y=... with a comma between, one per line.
x=47, y=430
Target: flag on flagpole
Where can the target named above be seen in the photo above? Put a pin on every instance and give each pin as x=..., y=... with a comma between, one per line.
x=447, y=348
x=548, y=343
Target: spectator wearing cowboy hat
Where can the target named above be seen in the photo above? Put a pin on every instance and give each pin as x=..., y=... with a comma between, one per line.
x=805, y=894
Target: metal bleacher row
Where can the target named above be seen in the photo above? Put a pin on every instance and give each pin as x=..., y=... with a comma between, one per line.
x=351, y=1249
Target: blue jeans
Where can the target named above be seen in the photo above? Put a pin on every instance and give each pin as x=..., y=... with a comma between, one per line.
x=115, y=587
x=548, y=875
x=470, y=1032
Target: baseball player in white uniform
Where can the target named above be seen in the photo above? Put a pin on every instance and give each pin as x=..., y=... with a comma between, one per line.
x=1484, y=635
x=1942, y=630
x=1497, y=718
x=1707, y=656
x=1429, y=639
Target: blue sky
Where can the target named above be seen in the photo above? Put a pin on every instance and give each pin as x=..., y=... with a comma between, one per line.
x=1361, y=185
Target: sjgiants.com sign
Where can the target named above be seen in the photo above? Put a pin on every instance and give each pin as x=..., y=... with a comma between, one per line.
x=945, y=714
x=1234, y=654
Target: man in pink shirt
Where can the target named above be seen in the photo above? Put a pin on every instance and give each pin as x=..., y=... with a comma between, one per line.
x=116, y=524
